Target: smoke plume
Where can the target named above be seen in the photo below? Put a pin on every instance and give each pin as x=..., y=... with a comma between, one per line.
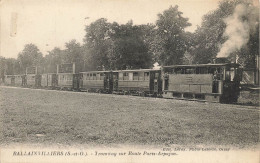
x=237, y=31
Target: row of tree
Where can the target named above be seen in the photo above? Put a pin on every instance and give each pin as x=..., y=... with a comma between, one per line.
x=113, y=46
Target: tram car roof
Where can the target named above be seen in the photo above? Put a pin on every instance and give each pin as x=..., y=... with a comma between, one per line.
x=204, y=65
x=16, y=75
x=51, y=73
x=19, y=75
x=93, y=72
x=136, y=70
x=65, y=73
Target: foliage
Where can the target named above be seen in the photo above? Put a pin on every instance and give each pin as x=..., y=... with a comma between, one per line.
x=130, y=49
x=52, y=59
x=30, y=56
x=12, y=66
x=114, y=46
x=170, y=41
x=73, y=54
x=2, y=68
x=97, y=43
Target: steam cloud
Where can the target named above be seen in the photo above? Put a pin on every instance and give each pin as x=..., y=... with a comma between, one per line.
x=237, y=31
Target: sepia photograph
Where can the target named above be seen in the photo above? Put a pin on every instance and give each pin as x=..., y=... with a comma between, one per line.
x=129, y=81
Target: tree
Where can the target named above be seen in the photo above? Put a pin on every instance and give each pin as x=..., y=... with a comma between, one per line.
x=2, y=68
x=248, y=54
x=130, y=49
x=54, y=57
x=30, y=56
x=98, y=44
x=170, y=42
x=74, y=54
x=113, y=46
x=10, y=66
x=87, y=65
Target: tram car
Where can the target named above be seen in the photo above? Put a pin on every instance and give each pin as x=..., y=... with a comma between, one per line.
x=19, y=80
x=217, y=82
x=49, y=80
x=33, y=80
x=96, y=81
x=65, y=76
x=9, y=80
x=65, y=81
x=15, y=80
x=33, y=77
x=139, y=82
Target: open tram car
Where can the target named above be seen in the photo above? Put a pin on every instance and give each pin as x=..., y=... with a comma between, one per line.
x=9, y=80
x=65, y=76
x=15, y=80
x=33, y=77
x=19, y=80
x=49, y=80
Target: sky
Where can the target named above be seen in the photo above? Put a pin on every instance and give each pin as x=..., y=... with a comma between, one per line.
x=52, y=23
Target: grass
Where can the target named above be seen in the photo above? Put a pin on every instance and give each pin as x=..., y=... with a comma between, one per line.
x=60, y=117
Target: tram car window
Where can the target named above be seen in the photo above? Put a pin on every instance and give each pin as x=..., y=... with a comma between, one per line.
x=179, y=71
x=94, y=77
x=97, y=76
x=135, y=76
x=102, y=76
x=146, y=76
x=141, y=75
x=189, y=71
x=125, y=76
x=120, y=76
x=202, y=70
x=130, y=74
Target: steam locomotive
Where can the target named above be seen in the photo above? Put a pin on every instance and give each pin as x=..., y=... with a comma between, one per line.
x=215, y=82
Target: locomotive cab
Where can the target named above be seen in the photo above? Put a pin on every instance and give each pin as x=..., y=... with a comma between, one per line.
x=206, y=82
